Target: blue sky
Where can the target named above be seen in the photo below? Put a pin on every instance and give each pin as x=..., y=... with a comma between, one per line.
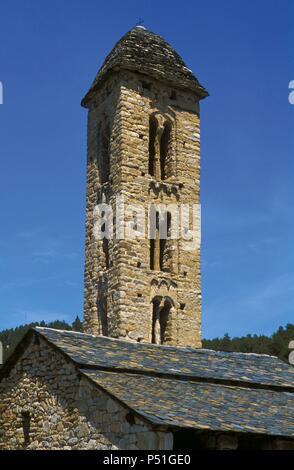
x=242, y=52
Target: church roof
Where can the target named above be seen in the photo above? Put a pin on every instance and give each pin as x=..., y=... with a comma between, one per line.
x=184, y=387
x=142, y=51
x=108, y=353
x=179, y=403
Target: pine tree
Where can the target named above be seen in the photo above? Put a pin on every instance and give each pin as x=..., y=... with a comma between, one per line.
x=77, y=325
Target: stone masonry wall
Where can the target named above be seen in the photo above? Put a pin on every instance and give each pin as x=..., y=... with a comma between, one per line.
x=66, y=411
x=118, y=298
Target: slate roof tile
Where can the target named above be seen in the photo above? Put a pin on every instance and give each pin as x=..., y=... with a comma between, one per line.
x=142, y=51
x=98, y=351
x=186, y=404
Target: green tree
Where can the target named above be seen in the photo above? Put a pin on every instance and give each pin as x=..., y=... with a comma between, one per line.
x=77, y=325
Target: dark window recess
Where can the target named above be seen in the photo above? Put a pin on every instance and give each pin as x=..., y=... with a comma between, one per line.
x=105, y=247
x=152, y=136
x=160, y=242
x=153, y=238
x=164, y=247
x=114, y=226
x=130, y=418
x=26, y=425
x=164, y=148
x=161, y=317
x=105, y=243
x=152, y=250
x=164, y=317
x=188, y=439
x=102, y=304
x=173, y=95
x=146, y=86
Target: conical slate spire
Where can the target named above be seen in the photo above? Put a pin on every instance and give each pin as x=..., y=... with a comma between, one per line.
x=142, y=51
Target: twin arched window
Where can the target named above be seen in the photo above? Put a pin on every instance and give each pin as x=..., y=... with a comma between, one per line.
x=160, y=159
x=159, y=148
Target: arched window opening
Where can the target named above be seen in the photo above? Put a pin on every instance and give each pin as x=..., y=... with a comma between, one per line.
x=153, y=124
x=105, y=248
x=104, y=153
x=105, y=244
x=161, y=321
x=165, y=143
x=152, y=247
x=154, y=239
x=102, y=306
x=165, y=255
x=164, y=322
x=155, y=321
x=160, y=241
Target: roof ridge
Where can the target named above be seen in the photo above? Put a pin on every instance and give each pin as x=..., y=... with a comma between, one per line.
x=161, y=346
x=124, y=340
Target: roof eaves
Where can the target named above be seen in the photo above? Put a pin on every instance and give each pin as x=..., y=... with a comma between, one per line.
x=199, y=90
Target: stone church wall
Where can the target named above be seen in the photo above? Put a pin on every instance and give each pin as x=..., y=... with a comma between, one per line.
x=46, y=404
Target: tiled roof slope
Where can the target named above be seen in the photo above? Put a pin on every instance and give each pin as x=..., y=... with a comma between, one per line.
x=210, y=406
x=106, y=353
x=145, y=52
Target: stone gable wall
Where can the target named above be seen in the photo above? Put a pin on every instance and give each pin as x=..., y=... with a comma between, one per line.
x=66, y=410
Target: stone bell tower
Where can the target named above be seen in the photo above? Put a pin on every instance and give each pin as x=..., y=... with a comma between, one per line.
x=143, y=150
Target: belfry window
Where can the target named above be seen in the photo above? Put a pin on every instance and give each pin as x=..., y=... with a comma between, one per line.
x=165, y=143
x=153, y=124
x=165, y=242
x=161, y=321
x=160, y=136
x=154, y=238
x=160, y=241
x=105, y=244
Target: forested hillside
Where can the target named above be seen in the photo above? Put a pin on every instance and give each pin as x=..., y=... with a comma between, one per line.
x=275, y=345
x=10, y=338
